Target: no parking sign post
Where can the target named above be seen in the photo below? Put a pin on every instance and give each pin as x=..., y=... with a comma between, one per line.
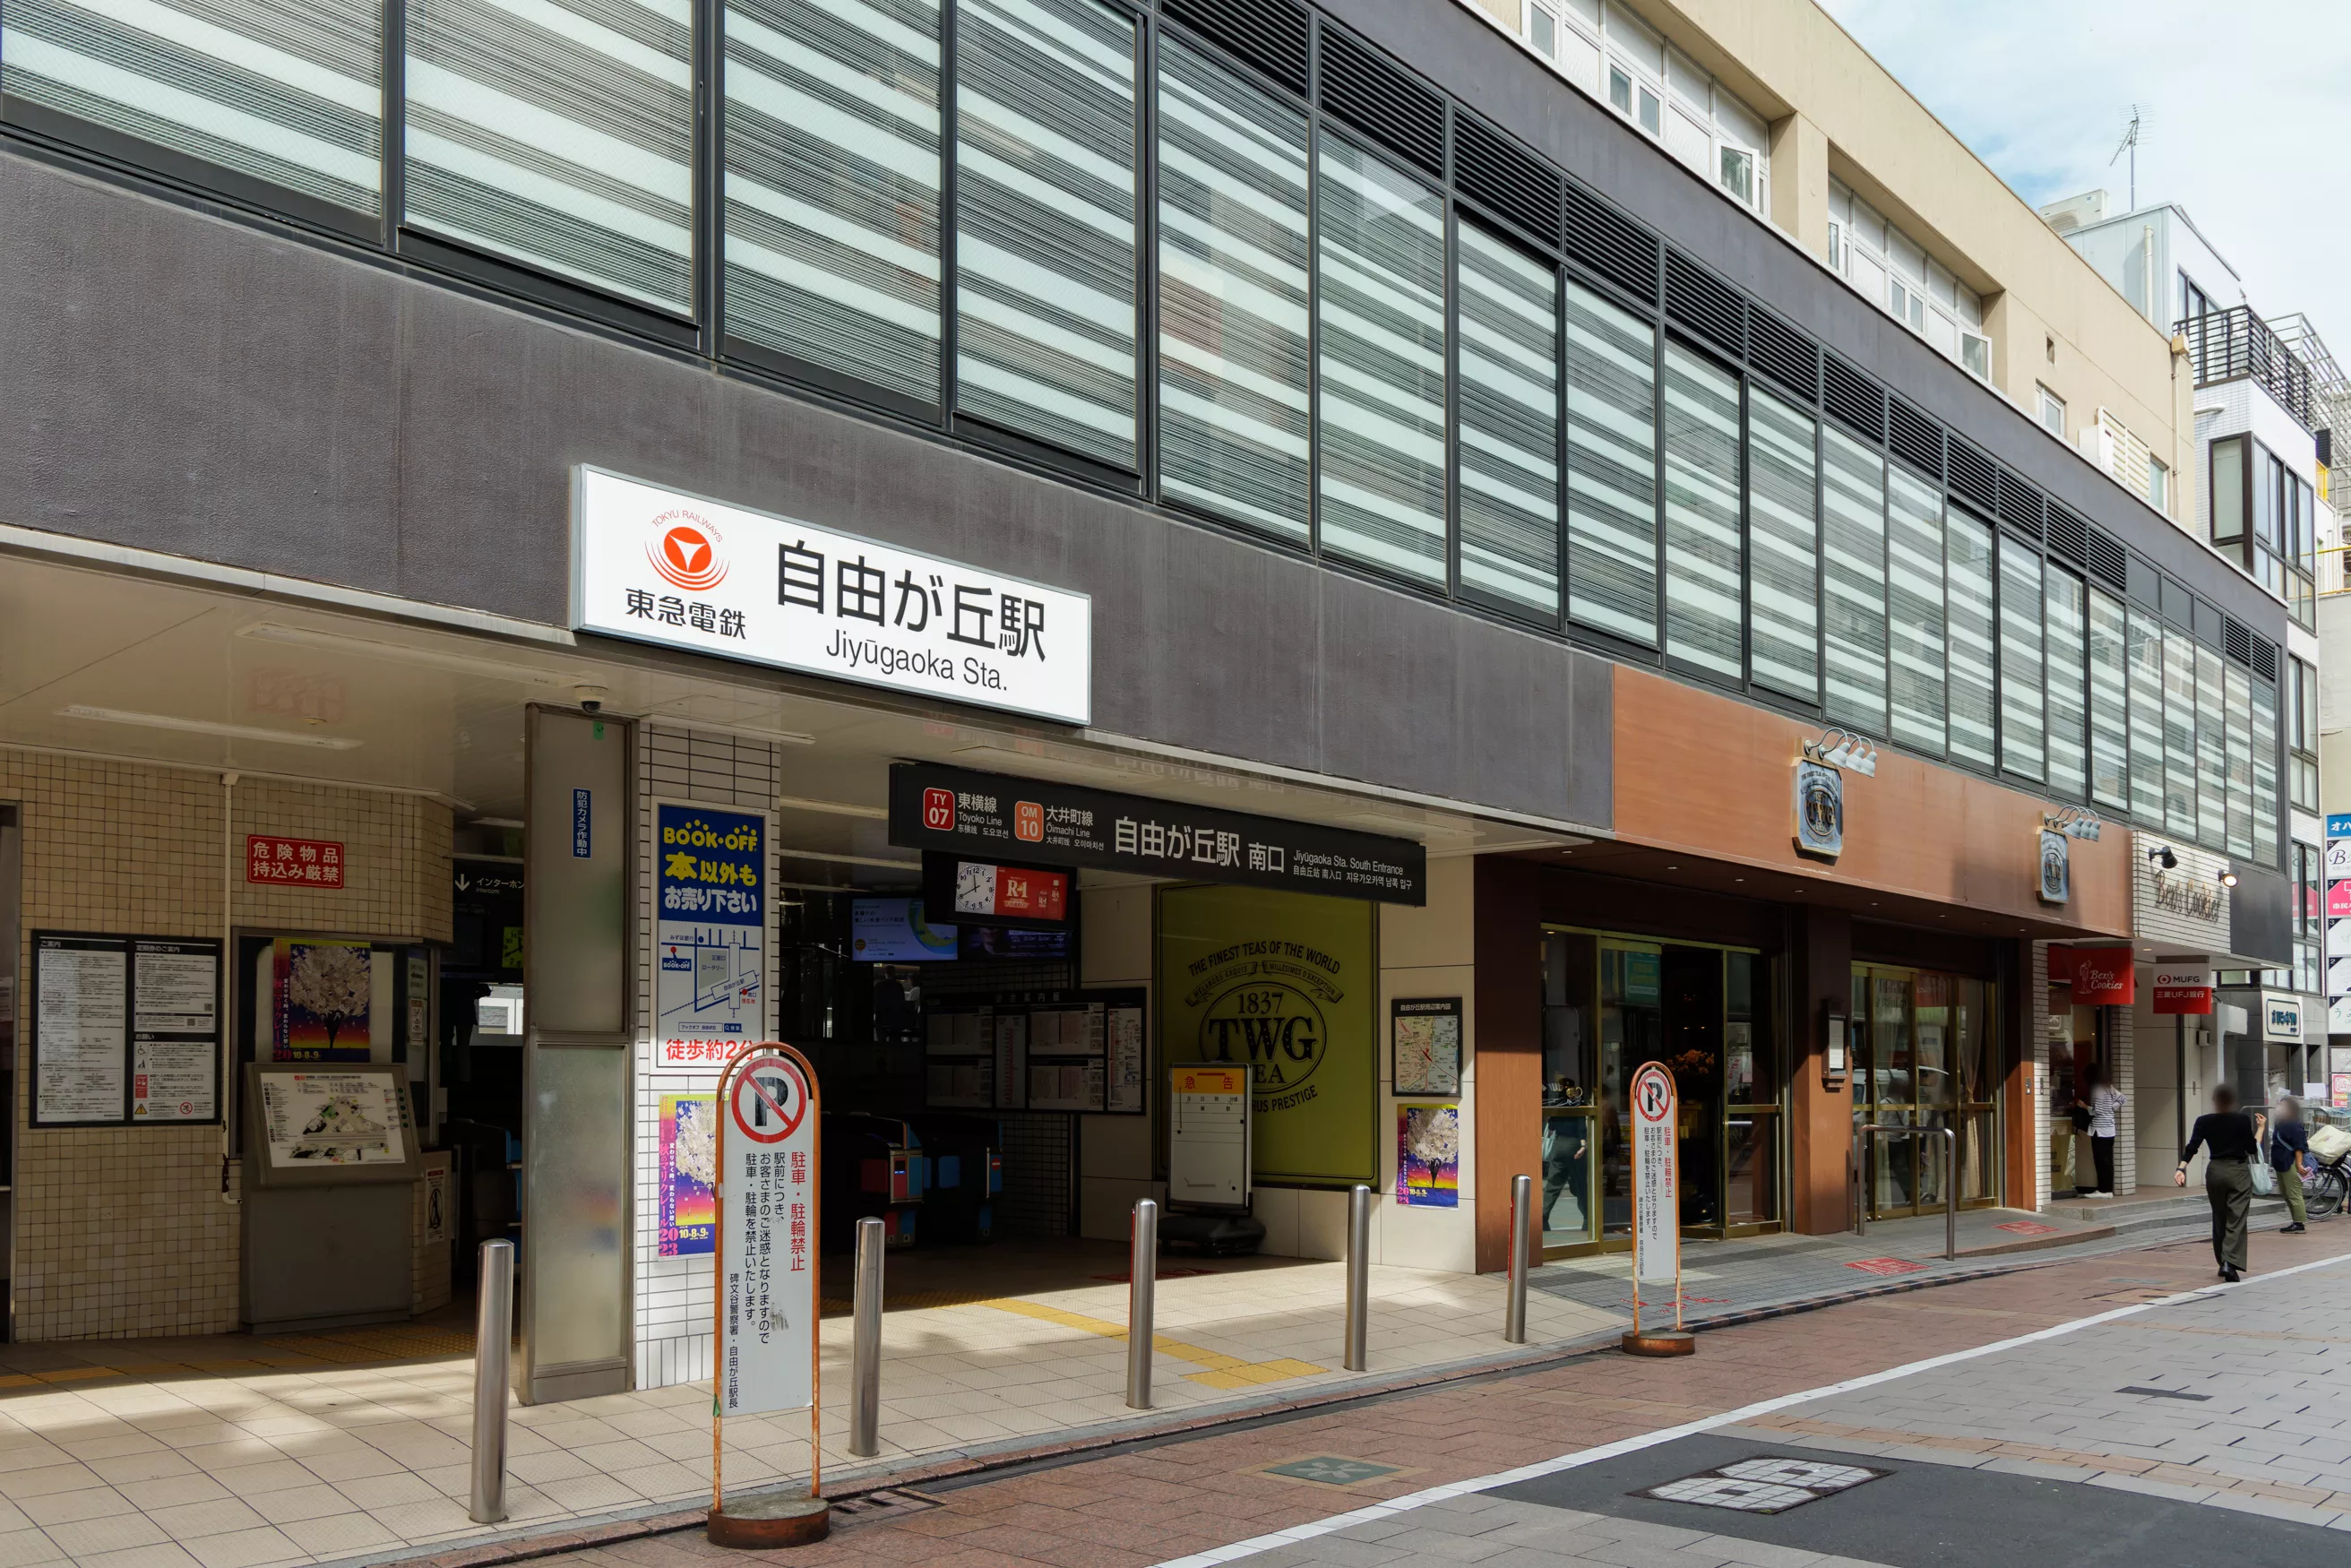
x=765, y=1258
x=1657, y=1208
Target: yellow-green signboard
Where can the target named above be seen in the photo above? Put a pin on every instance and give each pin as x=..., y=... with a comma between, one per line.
x=1284, y=983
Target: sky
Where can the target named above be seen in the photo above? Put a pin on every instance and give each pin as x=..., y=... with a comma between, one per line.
x=2245, y=114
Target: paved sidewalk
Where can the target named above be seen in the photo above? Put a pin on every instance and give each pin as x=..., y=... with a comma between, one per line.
x=1167, y=1500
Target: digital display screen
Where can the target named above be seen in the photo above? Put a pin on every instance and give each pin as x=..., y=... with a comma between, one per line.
x=893, y=931
x=1000, y=942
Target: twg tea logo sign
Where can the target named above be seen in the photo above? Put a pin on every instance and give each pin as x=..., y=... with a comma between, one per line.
x=1263, y=1006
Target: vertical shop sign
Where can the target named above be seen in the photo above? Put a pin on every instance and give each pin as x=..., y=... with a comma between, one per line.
x=1428, y=1157
x=689, y=1195
x=1284, y=984
x=767, y=1247
x=710, y=922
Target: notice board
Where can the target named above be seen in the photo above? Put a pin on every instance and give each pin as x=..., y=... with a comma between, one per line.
x=125, y=1030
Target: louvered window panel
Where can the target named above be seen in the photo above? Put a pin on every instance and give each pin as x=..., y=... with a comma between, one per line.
x=2020, y=505
x=1045, y=306
x=2237, y=641
x=1234, y=368
x=1852, y=399
x=1972, y=476
x=289, y=92
x=1611, y=246
x=1272, y=36
x=1914, y=438
x=2065, y=622
x=1509, y=182
x=1706, y=305
x=1384, y=100
x=1612, y=469
x=1914, y=562
x=2108, y=562
x=832, y=185
x=1705, y=570
x=2069, y=534
x=1784, y=354
x=559, y=134
x=1784, y=537
x=1971, y=686
x=2266, y=659
x=1854, y=585
x=1382, y=303
x=2109, y=701
x=1509, y=436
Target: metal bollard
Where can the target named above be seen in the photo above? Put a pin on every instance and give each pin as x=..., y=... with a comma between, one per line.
x=1359, y=1274
x=1141, y=1278
x=1523, y=1202
x=865, y=1346
x=493, y=1334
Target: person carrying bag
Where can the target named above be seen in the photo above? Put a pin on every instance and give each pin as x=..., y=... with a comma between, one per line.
x=2226, y=1134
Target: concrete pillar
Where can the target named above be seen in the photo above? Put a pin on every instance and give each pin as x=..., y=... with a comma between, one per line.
x=1799, y=182
x=1820, y=1118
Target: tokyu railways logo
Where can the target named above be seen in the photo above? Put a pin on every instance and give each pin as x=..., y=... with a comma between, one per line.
x=686, y=550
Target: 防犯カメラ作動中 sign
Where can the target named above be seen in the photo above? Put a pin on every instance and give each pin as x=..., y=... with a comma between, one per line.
x=996, y=817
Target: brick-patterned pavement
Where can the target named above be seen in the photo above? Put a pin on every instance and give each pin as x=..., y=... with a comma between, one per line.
x=1163, y=1499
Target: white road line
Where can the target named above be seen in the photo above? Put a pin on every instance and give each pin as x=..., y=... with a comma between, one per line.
x=1582, y=1457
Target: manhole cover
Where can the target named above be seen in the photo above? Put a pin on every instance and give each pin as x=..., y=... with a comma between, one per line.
x=1768, y=1485
x=1885, y=1265
x=1334, y=1470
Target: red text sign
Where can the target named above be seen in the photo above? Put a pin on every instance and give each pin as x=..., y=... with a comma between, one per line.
x=312, y=863
x=2103, y=977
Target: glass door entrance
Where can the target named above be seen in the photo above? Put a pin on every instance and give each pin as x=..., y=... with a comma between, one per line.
x=1928, y=1056
x=1613, y=1004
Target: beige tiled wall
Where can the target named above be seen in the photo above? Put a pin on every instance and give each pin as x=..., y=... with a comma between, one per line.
x=122, y=1232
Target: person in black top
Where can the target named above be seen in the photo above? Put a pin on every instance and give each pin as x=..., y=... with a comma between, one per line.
x=2226, y=1134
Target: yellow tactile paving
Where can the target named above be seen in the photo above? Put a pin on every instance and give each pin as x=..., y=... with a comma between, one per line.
x=1218, y=1370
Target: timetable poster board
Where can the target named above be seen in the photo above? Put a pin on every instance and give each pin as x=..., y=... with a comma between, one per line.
x=125, y=1030
x=1046, y=1050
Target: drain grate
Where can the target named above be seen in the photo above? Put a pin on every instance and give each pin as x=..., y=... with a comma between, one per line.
x=888, y=1503
x=2165, y=1394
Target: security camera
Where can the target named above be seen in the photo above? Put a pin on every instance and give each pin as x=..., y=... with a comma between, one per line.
x=591, y=698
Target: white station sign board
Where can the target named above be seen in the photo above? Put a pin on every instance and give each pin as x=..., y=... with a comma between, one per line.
x=1656, y=1179
x=767, y=1242
x=660, y=566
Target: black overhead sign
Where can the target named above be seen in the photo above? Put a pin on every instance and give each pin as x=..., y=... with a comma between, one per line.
x=960, y=811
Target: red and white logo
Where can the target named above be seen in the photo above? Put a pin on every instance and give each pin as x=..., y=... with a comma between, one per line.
x=685, y=550
x=939, y=811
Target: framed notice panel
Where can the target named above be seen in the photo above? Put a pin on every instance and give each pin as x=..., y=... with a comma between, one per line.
x=125, y=1031
x=1425, y=1037
x=1042, y=1051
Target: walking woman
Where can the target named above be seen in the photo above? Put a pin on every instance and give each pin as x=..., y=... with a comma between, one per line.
x=2226, y=1134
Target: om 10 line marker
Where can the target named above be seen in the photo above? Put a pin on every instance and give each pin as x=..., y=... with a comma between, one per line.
x=1656, y=1208
x=766, y=1255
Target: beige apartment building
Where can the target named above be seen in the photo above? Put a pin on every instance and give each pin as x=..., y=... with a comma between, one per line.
x=1786, y=115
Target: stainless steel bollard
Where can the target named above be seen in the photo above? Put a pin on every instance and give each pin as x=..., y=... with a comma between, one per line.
x=1523, y=1202
x=1359, y=1274
x=1142, y=1277
x=865, y=1346
x=493, y=1334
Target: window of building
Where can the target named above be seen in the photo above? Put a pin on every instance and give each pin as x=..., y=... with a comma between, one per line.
x=2020, y=693
x=1705, y=570
x=2147, y=736
x=1783, y=530
x=1914, y=558
x=566, y=147
x=2064, y=621
x=1974, y=640
x=1737, y=174
x=1382, y=303
x=1612, y=468
x=2178, y=732
x=2193, y=300
x=2053, y=411
x=2211, y=747
x=289, y=94
x=2109, y=643
x=2237, y=699
x=1854, y=601
x=1975, y=355
x=832, y=189
x=1234, y=386
x=1908, y=306
x=2158, y=485
x=1542, y=30
x=1045, y=249
x=1905, y=281
x=2228, y=509
x=1836, y=248
x=2302, y=704
x=2265, y=775
x=1509, y=436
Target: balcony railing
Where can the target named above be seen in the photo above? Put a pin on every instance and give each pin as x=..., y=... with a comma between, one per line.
x=2332, y=577
x=2231, y=345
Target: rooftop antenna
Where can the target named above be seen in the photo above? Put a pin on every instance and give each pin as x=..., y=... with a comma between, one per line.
x=2130, y=145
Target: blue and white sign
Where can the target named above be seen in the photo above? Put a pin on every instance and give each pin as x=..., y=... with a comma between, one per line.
x=710, y=925
x=2338, y=825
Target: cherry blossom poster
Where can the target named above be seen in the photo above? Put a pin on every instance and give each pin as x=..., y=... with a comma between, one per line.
x=1428, y=1157
x=689, y=1173
x=323, y=990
